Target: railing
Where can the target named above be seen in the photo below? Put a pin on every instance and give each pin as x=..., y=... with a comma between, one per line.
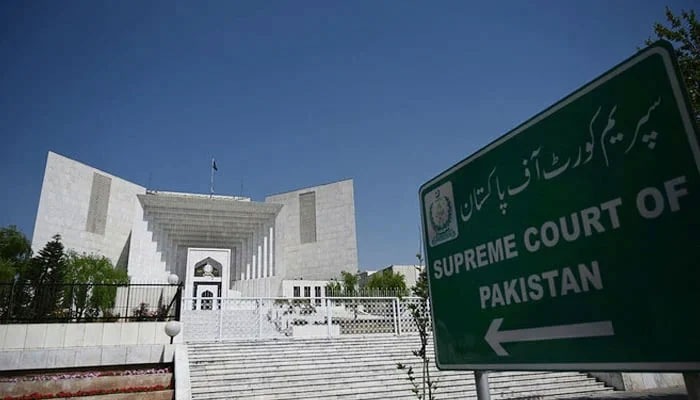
x=214, y=318
x=24, y=303
x=367, y=292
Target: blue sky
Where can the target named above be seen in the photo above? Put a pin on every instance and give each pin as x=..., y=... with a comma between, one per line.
x=290, y=94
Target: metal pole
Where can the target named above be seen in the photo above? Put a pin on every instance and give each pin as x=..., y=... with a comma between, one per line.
x=178, y=305
x=328, y=317
x=395, y=306
x=259, y=319
x=211, y=193
x=481, y=379
x=221, y=318
x=692, y=385
x=128, y=294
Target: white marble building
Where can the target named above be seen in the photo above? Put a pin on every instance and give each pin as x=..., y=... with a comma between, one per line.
x=251, y=247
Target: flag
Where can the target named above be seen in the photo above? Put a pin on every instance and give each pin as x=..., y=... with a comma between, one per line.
x=213, y=164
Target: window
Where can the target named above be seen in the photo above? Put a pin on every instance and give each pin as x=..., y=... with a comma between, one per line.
x=207, y=304
x=208, y=267
x=297, y=291
x=307, y=291
x=317, y=293
x=307, y=217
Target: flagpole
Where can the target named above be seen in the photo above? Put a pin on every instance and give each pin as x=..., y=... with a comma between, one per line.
x=211, y=187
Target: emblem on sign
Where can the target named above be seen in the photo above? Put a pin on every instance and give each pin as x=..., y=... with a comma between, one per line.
x=442, y=219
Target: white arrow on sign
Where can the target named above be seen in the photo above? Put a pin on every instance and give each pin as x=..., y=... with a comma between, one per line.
x=494, y=337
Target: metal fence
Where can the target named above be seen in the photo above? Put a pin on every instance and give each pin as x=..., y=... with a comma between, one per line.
x=24, y=303
x=214, y=318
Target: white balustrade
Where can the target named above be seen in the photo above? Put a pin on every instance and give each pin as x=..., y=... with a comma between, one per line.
x=270, y=317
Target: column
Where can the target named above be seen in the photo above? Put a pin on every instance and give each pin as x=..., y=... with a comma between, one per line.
x=259, y=275
x=255, y=266
x=241, y=261
x=272, y=253
x=254, y=249
x=265, y=250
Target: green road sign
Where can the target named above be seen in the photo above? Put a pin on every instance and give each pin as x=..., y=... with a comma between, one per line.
x=572, y=242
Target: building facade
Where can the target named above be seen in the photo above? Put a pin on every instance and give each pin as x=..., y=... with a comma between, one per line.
x=222, y=245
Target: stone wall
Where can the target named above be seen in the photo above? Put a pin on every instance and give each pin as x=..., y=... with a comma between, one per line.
x=35, y=346
x=71, y=207
x=335, y=248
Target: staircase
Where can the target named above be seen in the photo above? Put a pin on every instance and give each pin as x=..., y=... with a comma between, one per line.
x=359, y=367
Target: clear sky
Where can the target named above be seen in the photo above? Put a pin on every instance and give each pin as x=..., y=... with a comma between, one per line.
x=290, y=94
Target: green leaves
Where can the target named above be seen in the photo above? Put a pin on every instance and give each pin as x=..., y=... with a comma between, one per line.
x=684, y=34
x=85, y=269
x=349, y=281
x=14, y=246
x=91, y=268
x=387, y=280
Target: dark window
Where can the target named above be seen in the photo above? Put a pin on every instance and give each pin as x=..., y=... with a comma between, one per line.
x=317, y=291
x=297, y=291
x=207, y=304
x=307, y=291
x=307, y=217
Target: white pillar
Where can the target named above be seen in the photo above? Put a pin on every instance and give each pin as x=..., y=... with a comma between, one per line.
x=255, y=267
x=272, y=252
x=259, y=275
x=246, y=255
x=265, y=257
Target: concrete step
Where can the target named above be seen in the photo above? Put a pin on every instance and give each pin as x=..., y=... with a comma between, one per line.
x=375, y=372
x=229, y=369
x=280, y=377
x=388, y=381
x=397, y=390
x=277, y=343
x=265, y=349
x=337, y=356
x=308, y=353
x=361, y=367
x=280, y=349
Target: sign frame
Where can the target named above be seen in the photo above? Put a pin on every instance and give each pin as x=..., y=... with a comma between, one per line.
x=666, y=51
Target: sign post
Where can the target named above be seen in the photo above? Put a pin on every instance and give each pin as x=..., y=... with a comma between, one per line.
x=481, y=378
x=692, y=385
x=571, y=242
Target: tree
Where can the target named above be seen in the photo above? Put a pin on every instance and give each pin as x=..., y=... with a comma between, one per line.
x=349, y=282
x=15, y=256
x=421, y=316
x=333, y=288
x=85, y=270
x=15, y=252
x=387, y=280
x=684, y=34
x=44, y=272
x=13, y=244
